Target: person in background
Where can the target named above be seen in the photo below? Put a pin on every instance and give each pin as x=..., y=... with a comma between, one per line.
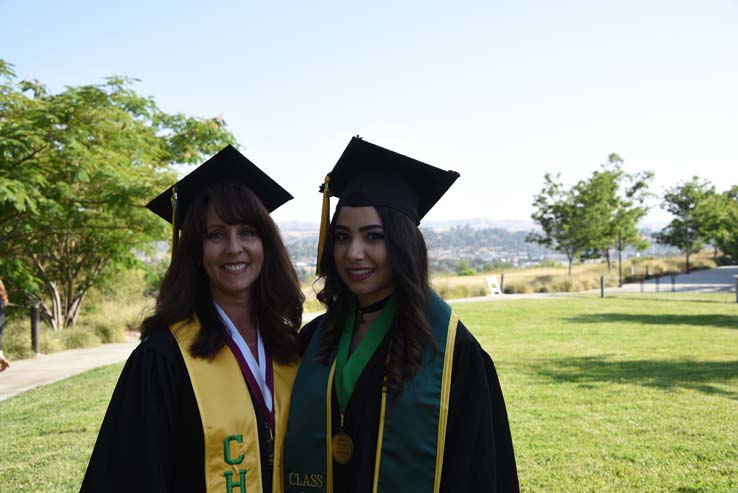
x=4, y=363
x=393, y=393
x=201, y=403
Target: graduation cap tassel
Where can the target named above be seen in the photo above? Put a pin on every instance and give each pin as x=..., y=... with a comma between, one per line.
x=175, y=236
x=324, y=220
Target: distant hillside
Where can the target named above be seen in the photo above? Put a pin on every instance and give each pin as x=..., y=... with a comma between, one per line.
x=484, y=248
x=480, y=248
x=482, y=223
x=446, y=245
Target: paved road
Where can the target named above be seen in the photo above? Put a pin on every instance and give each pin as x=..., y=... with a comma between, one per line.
x=26, y=374
x=720, y=280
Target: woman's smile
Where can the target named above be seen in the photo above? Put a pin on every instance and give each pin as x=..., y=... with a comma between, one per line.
x=360, y=274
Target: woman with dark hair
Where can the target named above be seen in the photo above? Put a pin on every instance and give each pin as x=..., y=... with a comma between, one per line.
x=201, y=404
x=393, y=393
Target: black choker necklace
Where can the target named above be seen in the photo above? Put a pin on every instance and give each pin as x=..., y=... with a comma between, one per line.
x=374, y=307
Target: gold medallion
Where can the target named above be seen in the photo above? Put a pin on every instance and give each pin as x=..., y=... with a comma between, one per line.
x=343, y=447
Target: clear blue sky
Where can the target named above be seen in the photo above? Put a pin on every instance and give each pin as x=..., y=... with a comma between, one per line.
x=501, y=91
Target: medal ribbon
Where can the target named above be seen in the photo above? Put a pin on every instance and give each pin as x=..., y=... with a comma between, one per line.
x=348, y=369
x=259, y=377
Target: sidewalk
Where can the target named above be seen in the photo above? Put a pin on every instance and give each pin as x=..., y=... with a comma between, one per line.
x=26, y=374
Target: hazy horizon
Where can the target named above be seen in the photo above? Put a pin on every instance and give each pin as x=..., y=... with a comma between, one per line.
x=474, y=222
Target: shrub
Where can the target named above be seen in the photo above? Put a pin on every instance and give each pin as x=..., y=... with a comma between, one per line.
x=518, y=288
x=106, y=329
x=588, y=283
x=17, y=340
x=79, y=337
x=547, y=262
x=702, y=263
x=464, y=268
x=51, y=342
x=566, y=286
x=153, y=275
x=109, y=333
x=449, y=291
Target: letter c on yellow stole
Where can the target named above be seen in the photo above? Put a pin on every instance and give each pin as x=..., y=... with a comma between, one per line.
x=227, y=449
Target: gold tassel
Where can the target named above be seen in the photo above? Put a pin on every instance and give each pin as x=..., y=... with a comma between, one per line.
x=324, y=220
x=175, y=236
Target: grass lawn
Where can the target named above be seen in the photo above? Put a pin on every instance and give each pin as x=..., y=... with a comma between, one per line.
x=618, y=394
x=48, y=432
x=629, y=393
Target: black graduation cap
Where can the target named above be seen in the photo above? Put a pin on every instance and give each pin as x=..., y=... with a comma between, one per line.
x=369, y=175
x=227, y=166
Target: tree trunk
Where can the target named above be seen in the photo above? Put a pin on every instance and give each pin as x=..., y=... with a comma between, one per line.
x=687, y=262
x=51, y=317
x=71, y=318
x=607, y=256
x=56, y=307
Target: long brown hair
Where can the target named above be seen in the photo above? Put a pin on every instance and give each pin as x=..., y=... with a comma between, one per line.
x=408, y=258
x=185, y=289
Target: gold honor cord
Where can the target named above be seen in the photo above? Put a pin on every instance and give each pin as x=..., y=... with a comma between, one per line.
x=380, y=433
x=448, y=364
x=175, y=236
x=324, y=220
x=329, y=429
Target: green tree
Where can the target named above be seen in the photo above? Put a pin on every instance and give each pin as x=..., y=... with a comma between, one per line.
x=561, y=218
x=465, y=268
x=76, y=170
x=727, y=239
x=717, y=217
x=687, y=230
x=614, y=202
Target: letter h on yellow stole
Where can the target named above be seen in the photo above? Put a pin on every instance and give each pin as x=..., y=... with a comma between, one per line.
x=230, y=485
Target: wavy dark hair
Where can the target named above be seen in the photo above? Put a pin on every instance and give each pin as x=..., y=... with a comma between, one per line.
x=408, y=258
x=185, y=289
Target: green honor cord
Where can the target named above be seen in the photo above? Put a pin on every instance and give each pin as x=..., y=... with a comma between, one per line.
x=348, y=369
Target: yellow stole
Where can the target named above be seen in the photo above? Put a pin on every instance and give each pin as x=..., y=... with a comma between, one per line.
x=232, y=457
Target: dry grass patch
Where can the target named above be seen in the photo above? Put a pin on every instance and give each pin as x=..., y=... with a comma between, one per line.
x=557, y=279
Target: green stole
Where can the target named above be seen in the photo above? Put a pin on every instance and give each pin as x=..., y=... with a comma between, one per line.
x=411, y=438
x=232, y=458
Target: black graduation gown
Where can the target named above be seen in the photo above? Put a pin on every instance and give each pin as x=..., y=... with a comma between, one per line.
x=151, y=439
x=478, y=456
